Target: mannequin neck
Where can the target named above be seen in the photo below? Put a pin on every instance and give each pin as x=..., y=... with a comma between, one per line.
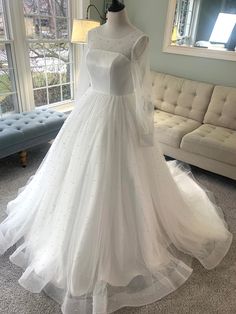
x=118, y=19
x=117, y=24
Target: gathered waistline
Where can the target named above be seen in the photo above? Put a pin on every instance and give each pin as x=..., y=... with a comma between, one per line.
x=109, y=94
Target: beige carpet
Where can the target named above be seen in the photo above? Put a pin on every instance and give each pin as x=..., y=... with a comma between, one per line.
x=205, y=292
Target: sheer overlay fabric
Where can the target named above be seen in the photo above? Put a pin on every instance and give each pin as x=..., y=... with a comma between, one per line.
x=105, y=221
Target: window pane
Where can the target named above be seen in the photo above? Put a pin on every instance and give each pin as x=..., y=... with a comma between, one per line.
x=7, y=104
x=5, y=82
x=62, y=30
x=66, y=92
x=54, y=94
x=3, y=57
x=52, y=52
x=48, y=27
x=40, y=97
x=36, y=54
x=2, y=28
x=61, y=7
x=46, y=7
x=65, y=73
x=64, y=52
x=38, y=77
x=32, y=27
x=30, y=6
x=8, y=96
x=53, y=75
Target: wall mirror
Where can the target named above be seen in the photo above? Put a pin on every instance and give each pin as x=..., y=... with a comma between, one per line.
x=203, y=28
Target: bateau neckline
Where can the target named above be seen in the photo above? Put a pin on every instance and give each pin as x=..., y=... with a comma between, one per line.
x=109, y=38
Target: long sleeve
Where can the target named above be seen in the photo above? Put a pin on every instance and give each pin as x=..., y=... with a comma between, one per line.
x=84, y=78
x=142, y=86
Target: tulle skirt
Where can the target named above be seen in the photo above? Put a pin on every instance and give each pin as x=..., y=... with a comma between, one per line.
x=106, y=223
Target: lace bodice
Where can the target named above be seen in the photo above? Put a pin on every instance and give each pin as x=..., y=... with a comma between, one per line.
x=109, y=61
x=122, y=45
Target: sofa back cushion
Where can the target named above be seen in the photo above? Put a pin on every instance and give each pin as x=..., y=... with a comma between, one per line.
x=180, y=96
x=222, y=108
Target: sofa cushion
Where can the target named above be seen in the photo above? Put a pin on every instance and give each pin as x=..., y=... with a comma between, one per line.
x=222, y=108
x=170, y=129
x=179, y=96
x=214, y=142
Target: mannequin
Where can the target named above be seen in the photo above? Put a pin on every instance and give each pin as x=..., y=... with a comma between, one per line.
x=118, y=25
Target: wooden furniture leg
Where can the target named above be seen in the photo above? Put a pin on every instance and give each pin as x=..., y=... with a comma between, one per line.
x=23, y=158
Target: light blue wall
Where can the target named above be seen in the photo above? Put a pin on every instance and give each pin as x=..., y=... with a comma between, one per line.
x=150, y=16
x=100, y=5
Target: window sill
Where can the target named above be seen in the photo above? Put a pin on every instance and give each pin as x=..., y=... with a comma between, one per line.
x=63, y=107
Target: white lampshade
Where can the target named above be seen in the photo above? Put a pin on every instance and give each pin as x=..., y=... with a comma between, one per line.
x=80, y=29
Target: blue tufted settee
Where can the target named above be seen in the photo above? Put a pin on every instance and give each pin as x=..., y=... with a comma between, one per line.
x=21, y=131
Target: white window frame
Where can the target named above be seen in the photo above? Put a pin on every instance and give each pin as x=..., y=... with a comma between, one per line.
x=21, y=57
x=8, y=41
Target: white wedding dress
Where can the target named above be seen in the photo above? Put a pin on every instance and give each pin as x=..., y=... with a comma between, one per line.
x=106, y=221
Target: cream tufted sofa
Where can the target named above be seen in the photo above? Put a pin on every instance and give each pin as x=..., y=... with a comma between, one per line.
x=196, y=122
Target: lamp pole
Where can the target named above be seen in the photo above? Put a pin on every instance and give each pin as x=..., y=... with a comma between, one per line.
x=89, y=7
